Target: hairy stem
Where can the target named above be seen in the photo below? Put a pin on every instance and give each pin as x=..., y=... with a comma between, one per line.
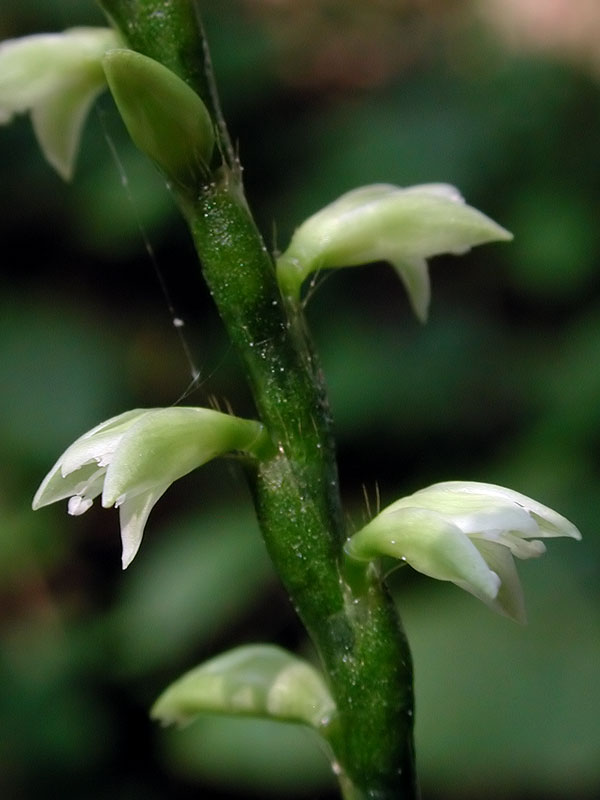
x=352, y=623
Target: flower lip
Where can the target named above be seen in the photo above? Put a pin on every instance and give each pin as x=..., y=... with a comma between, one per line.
x=80, y=462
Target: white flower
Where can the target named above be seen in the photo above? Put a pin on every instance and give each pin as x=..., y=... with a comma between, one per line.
x=386, y=223
x=133, y=458
x=467, y=533
x=57, y=77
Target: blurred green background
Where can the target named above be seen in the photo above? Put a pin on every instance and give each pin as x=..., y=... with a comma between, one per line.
x=502, y=385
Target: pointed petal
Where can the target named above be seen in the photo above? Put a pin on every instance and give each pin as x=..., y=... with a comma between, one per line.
x=58, y=123
x=56, y=487
x=509, y=600
x=133, y=515
x=426, y=222
x=414, y=273
x=548, y=523
x=474, y=512
x=34, y=67
x=168, y=443
x=79, y=463
x=430, y=544
x=98, y=445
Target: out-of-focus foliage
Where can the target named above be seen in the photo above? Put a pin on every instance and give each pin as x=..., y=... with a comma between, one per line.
x=502, y=385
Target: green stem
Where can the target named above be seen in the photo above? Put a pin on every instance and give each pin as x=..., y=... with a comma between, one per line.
x=355, y=629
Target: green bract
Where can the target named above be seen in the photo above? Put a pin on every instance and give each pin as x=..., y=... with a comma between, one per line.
x=55, y=76
x=386, y=223
x=165, y=117
x=467, y=533
x=253, y=680
x=133, y=458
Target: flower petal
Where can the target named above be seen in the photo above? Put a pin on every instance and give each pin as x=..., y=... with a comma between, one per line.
x=474, y=511
x=98, y=445
x=79, y=505
x=414, y=274
x=430, y=544
x=167, y=443
x=56, y=487
x=34, y=67
x=519, y=546
x=548, y=523
x=425, y=221
x=56, y=76
x=58, y=124
x=79, y=463
x=509, y=600
x=133, y=515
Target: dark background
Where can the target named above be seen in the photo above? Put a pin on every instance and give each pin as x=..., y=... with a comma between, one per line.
x=502, y=385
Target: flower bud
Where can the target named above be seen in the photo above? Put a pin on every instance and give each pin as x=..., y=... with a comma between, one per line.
x=165, y=117
x=386, y=223
x=253, y=680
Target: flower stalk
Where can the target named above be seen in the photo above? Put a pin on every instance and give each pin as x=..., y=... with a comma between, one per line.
x=363, y=649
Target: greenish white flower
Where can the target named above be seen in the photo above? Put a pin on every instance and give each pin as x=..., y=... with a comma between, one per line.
x=386, y=223
x=467, y=533
x=56, y=77
x=133, y=458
